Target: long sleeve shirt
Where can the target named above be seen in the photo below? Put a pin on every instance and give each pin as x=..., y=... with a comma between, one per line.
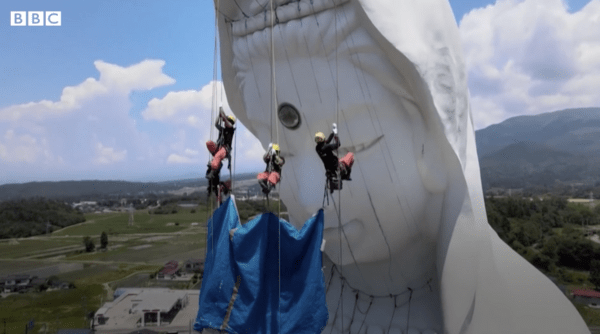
x=225, y=134
x=274, y=162
x=325, y=151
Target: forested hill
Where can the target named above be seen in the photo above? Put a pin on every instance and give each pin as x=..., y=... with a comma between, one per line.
x=95, y=189
x=24, y=218
x=82, y=190
x=541, y=150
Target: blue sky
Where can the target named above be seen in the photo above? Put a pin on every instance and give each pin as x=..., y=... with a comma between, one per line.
x=91, y=99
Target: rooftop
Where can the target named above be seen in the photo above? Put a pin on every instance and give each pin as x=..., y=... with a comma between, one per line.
x=126, y=311
x=162, y=301
x=586, y=293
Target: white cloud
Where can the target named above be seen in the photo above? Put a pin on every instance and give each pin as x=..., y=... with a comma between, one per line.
x=179, y=159
x=251, y=147
x=24, y=148
x=108, y=155
x=190, y=152
x=145, y=75
x=191, y=106
x=114, y=80
x=190, y=111
x=531, y=56
x=91, y=131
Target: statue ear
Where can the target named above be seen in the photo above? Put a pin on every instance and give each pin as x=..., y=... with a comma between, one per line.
x=432, y=165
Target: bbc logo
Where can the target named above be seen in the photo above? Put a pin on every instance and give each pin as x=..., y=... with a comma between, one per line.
x=35, y=18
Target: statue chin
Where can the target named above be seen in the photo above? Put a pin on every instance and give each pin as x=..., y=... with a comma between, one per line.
x=408, y=247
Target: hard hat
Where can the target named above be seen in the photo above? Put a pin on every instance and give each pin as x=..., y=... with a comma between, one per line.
x=319, y=137
x=276, y=147
x=231, y=118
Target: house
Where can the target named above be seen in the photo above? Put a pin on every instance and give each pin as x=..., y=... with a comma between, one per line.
x=14, y=283
x=137, y=308
x=586, y=296
x=194, y=266
x=60, y=285
x=170, y=269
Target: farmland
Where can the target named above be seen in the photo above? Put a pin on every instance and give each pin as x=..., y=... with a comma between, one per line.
x=136, y=250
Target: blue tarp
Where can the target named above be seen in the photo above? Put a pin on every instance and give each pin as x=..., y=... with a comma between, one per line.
x=274, y=296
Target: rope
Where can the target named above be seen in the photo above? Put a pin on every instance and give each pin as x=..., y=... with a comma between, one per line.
x=234, y=163
x=337, y=115
x=361, y=79
x=384, y=141
x=336, y=310
x=357, y=292
x=349, y=248
x=209, y=206
x=273, y=106
x=408, y=313
x=366, y=314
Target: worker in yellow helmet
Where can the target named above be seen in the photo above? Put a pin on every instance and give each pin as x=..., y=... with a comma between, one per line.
x=272, y=174
x=325, y=149
x=221, y=149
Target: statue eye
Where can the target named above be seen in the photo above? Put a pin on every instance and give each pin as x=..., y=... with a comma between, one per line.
x=289, y=116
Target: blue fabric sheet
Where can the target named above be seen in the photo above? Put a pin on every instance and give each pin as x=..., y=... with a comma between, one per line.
x=264, y=304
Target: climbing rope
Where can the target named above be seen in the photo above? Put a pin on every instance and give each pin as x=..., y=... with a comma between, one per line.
x=273, y=107
x=337, y=120
x=410, y=291
x=214, y=107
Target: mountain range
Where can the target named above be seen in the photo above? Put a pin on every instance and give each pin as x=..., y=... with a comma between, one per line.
x=98, y=189
x=561, y=147
x=541, y=150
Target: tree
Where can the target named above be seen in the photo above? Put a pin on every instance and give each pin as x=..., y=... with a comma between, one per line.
x=595, y=273
x=89, y=244
x=103, y=240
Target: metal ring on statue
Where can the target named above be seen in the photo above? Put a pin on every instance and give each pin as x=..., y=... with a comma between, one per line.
x=289, y=116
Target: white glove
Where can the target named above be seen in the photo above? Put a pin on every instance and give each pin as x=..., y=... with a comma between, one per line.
x=334, y=128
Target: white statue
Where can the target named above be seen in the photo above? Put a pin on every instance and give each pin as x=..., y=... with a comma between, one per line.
x=417, y=254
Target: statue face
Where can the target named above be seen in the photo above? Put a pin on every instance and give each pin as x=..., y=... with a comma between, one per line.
x=389, y=217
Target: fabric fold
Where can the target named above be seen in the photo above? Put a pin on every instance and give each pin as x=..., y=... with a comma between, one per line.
x=281, y=286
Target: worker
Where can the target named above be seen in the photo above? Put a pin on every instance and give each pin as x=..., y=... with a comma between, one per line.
x=272, y=174
x=222, y=148
x=325, y=148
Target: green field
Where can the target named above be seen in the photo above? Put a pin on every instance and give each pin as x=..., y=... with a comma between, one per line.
x=157, y=252
x=57, y=309
x=133, y=253
x=36, y=246
x=66, y=308
x=118, y=223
